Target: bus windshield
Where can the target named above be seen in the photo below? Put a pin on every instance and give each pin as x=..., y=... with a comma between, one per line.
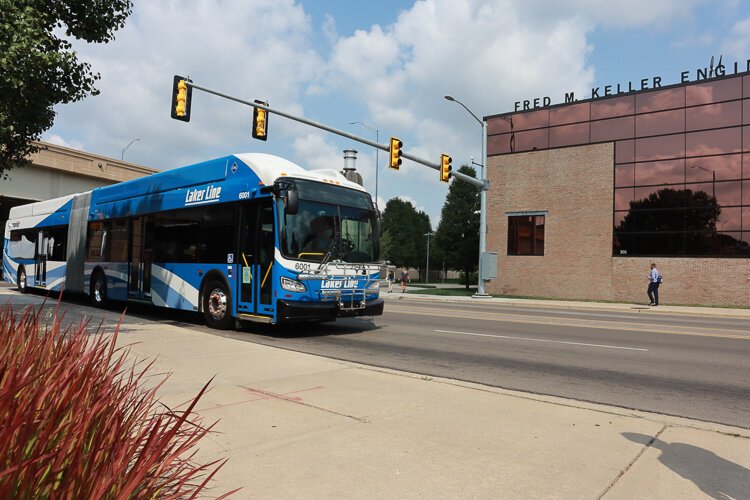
x=332, y=224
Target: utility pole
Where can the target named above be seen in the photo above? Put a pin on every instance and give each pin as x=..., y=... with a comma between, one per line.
x=483, y=256
x=427, y=270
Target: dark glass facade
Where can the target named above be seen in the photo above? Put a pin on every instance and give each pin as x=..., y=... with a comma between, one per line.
x=681, y=165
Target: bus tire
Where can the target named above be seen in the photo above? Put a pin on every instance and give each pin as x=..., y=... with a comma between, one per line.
x=217, y=305
x=21, y=280
x=98, y=291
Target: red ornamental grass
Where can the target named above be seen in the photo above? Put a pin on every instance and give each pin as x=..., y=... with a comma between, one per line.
x=78, y=420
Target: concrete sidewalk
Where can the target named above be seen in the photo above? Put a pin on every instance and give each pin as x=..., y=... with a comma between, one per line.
x=300, y=426
x=412, y=293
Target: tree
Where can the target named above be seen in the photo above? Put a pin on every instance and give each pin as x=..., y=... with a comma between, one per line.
x=403, y=242
x=39, y=69
x=457, y=236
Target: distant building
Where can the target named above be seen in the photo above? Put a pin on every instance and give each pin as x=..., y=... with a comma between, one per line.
x=59, y=171
x=585, y=195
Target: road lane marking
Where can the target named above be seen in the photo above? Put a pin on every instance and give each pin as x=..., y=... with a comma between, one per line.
x=567, y=322
x=543, y=340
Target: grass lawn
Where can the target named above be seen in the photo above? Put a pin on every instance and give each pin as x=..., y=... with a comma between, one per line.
x=453, y=292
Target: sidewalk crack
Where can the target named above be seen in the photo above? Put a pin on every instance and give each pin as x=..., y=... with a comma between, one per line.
x=632, y=462
x=291, y=399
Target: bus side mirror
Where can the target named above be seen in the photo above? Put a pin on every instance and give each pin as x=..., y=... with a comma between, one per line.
x=292, y=202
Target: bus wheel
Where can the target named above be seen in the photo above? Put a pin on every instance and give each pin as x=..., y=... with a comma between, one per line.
x=21, y=280
x=98, y=289
x=216, y=306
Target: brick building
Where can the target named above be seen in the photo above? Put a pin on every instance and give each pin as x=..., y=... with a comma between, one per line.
x=585, y=195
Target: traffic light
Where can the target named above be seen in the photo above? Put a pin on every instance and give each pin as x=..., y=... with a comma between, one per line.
x=181, y=95
x=396, y=145
x=445, y=168
x=260, y=122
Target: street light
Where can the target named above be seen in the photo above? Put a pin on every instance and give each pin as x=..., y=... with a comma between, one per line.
x=713, y=175
x=427, y=270
x=377, y=139
x=122, y=156
x=482, y=199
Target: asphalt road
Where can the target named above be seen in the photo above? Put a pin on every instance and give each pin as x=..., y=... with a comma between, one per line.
x=687, y=366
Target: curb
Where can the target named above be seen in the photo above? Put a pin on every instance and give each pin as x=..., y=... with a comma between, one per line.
x=619, y=307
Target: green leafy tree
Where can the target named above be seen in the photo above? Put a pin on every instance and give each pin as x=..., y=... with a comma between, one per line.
x=403, y=242
x=39, y=69
x=457, y=236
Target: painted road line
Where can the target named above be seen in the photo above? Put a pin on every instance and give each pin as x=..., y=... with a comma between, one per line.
x=543, y=340
x=610, y=326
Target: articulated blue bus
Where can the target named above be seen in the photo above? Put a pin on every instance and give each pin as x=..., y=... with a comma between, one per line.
x=246, y=237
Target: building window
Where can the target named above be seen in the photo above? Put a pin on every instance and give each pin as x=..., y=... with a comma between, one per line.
x=526, y=235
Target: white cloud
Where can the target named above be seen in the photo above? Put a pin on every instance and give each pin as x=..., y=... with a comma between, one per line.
x=222, y=45
x=317, y=152
x=487, y=53
x=478, y=52
x=612, y=15
x=703, y=40
x=56, y=139
x=737, y=43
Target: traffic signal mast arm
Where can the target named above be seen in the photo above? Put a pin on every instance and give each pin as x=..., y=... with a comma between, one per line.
x=384, y=147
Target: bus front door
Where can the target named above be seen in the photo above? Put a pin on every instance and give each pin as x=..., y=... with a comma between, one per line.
x=139, y=286
x=257, y=243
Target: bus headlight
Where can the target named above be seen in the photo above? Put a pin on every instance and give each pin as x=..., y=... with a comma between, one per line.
x=292, y=285
x=374, y=286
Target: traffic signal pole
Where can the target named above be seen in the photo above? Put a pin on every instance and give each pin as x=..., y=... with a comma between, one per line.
x=481, y=184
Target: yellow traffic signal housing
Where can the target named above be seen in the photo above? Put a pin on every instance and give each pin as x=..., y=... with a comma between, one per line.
x=396, y=146
x=445, y=168
x=260, y=122
x=181, y=96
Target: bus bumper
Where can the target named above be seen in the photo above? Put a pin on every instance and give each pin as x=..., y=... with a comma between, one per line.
x=290, y=311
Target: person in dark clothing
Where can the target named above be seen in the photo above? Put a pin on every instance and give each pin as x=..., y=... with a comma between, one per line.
x=654, y=279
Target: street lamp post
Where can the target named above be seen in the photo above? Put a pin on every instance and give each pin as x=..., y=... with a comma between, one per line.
x=713, y=176
x=122, y=156
x=377, y=139
x=427, y=267
x=482, y=199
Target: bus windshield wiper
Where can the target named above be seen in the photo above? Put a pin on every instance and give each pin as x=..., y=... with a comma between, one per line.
x=336, y=239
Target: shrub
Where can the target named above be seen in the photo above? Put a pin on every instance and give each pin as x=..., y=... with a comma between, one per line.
x=78, y=419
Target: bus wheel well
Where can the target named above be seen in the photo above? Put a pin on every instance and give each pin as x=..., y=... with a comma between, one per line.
x=97, y=270
x=98, y=287
x=21, y=271
x=207, y=279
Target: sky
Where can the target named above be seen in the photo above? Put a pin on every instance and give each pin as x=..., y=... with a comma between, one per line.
x=386, y=64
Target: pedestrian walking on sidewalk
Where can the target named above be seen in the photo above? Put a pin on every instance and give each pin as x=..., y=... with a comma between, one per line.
x=654, y=280
x=404, y=279
x=391, y=278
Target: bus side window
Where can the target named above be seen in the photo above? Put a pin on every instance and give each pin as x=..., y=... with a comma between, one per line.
x=23, y=243
x=94, y=241
x=58, y=238
x=118, y=234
